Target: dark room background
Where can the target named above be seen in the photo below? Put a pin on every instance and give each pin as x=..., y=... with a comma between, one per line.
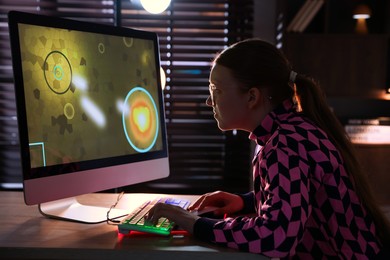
x=353, y=69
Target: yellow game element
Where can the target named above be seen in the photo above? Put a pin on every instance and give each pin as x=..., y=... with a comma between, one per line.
x=141, y=117
x=128, y=42
x=69, y=111
x=101, y=48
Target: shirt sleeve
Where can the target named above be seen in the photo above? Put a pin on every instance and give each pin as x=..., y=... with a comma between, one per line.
x=249, y=203
x=203, y=228
x=283, y=209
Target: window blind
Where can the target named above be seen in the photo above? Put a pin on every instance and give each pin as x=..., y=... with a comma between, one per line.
x=191, y=32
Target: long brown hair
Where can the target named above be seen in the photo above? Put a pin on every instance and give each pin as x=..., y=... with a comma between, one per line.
x=258, y=63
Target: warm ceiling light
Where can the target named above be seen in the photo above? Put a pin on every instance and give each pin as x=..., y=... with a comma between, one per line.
x=362, y=11
x=361, y=16
x=155, y=6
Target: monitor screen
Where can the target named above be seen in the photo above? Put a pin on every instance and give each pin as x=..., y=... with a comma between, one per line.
x=90, y=106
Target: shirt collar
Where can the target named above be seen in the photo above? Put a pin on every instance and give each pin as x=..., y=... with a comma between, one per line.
x=271, y=122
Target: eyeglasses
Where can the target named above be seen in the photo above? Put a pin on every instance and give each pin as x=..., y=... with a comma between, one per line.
x=212, y=89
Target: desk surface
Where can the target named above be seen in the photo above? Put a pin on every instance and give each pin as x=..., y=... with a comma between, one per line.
x=25, y=233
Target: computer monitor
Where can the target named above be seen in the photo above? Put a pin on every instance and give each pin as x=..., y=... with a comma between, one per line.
x=90, y=111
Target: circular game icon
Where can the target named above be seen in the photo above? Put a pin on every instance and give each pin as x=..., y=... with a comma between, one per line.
x=57, y=72
x=128, y=41
x=140, y=119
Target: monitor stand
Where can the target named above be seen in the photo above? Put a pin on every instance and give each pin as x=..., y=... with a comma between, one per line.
x=71, y=209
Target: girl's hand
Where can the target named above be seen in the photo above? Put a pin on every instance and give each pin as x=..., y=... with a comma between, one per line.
x=180, y=216
x=226, y=203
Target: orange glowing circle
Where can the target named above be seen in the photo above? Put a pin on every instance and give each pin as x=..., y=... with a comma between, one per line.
x=140, y=119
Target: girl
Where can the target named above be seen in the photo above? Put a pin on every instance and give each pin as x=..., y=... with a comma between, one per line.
x=310, y=198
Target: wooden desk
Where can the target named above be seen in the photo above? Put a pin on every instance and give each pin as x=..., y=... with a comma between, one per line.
x=25, y=233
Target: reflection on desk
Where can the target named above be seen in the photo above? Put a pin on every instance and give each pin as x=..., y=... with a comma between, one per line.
x=25, y=233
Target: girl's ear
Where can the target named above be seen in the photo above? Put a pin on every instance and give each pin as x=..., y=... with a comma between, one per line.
x=254, y=97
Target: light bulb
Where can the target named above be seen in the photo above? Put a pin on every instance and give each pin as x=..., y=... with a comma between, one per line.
x=155, y=6
x=362, y=11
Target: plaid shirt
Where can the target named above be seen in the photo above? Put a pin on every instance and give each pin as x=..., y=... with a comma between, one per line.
x=304, y=201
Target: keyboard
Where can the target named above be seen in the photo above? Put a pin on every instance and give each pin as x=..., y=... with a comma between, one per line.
x=136, y=219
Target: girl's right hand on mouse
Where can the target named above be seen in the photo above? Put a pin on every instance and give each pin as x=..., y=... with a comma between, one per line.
x=226, y=203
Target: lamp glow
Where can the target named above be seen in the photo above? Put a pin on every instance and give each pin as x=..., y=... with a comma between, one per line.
x=155, y=6
x=361, y=13
x=163, y=78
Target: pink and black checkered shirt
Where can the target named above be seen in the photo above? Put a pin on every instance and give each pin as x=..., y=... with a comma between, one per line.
x=305, y=204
